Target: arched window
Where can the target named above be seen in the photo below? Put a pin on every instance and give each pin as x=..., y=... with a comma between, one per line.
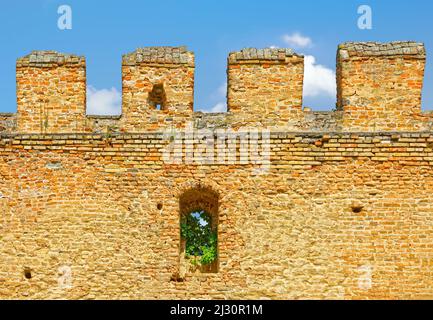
x=157, y=97
x=199, y=230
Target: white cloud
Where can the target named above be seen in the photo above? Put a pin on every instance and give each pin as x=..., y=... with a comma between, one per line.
x=222, y=90
x=219, y=96
x=219, y=107
x=104, y=101
x=297, y=40
x=318, y=80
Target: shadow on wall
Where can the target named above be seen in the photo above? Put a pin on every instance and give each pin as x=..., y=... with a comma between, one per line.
x=427, y=92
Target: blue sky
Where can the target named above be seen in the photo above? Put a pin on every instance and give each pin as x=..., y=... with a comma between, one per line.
x=104, y=30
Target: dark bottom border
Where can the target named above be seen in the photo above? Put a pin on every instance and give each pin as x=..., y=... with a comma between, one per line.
x=214, y=309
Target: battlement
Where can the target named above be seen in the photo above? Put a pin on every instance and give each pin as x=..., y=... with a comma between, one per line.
x=265, y=86
x=379, y=86
x=406, y=49
x=302, y=204
x=253, y=55
x=378, y=89
x=49, y=59
x=159, y=55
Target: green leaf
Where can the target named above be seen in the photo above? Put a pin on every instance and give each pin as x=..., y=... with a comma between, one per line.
x=201, y=240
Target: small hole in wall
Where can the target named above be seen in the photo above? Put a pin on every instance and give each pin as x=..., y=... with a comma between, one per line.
x=27, y=273
x=159, y=206
x=157, y=97
x=357, y=209
x=176, y=278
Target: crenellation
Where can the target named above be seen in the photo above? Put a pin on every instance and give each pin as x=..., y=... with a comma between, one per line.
x=397, y=48
x=379, y=86
x=159, y=55
x=158, y=88
x=274, y=100
x=49, y=59
x=51, y=92
x=301, y=206
x=378, y=89
x=254, y=55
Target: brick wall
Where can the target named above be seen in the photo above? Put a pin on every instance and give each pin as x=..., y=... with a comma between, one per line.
x=379, y=85
x=93, y=211
x=334, y=212
x=51, y=93
x=165, y=74
x=7, y=122
x=265, y=85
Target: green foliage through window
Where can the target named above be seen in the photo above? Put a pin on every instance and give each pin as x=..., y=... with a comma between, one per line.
x=201, y=240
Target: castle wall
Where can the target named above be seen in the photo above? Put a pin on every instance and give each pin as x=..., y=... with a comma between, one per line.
x=339, y=216
x=379, y=85
x=162, y=76
x=90, y=205
x=7, y=123
x=265, y=85
x=378, y=90
x=51, y=93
